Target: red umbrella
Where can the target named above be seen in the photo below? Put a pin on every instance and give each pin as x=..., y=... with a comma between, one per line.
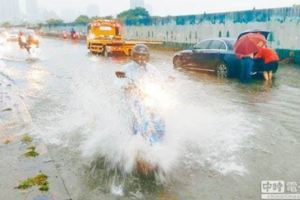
x=247, y=44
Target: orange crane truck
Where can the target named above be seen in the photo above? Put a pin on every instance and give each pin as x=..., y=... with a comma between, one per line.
x=106, y=37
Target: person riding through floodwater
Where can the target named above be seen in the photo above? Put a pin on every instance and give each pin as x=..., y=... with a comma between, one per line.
x=30, y=40
x=139, y=66
x=139, y=75
x=29, y=43
x=22, y=40
x=73, y=34
x=146, y=120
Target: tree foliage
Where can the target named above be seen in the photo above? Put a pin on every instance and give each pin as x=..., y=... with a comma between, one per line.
x=82, y=19
x=6, y=24
x=54, y=22
x=134, y=14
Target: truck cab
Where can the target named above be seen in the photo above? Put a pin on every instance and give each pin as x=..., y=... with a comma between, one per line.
x=104, y=29
x=105, y=37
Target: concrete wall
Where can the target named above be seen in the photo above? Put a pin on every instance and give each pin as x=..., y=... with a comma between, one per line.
x=283, y=23
x=183, y=31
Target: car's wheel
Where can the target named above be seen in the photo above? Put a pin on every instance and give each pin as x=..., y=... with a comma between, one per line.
x=177, y=62
x=222, y=70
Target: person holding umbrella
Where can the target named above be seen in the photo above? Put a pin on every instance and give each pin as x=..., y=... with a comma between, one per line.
x=245, y=47
x=270, y=59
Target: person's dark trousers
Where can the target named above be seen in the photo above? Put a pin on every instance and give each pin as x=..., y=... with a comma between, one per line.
x=246, y=69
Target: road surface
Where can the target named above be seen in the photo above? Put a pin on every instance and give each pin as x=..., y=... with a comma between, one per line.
x=223, y=138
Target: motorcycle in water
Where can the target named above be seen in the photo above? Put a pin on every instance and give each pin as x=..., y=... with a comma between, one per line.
x=22, y=41
x=64, y=35
x=74, y=35
x=32, y=50
x=32, y=46
x=146, y=120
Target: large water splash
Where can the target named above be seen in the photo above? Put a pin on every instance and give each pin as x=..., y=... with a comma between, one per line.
x=201, y=129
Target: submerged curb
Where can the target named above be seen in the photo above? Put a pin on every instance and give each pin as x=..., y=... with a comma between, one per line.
x=15, y=167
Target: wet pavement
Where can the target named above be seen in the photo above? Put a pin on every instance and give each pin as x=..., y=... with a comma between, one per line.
x=15, y=168
x=15, y=121
x=223, y=138
x=13, y=112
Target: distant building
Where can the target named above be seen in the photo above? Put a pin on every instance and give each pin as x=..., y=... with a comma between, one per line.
x=92, y=10
x=10, y=11
x=137, y=3
x=32, y=11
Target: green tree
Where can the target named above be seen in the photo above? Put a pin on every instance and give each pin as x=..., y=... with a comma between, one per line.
x=54, y=22
x=134, y=14
x=6, y=24
x=82, y=19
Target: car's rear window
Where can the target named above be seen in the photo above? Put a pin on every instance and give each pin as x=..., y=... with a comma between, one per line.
x=217, y=44
x=202, y=45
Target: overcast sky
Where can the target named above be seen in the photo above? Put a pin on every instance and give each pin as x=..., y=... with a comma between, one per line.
x=161, y=7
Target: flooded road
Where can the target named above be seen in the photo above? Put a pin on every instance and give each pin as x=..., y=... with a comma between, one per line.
x=222, y=138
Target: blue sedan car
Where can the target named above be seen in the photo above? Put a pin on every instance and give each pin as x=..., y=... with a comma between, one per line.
x=214, y=55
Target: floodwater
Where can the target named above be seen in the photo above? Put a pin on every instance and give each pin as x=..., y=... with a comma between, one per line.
x=222, y=138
